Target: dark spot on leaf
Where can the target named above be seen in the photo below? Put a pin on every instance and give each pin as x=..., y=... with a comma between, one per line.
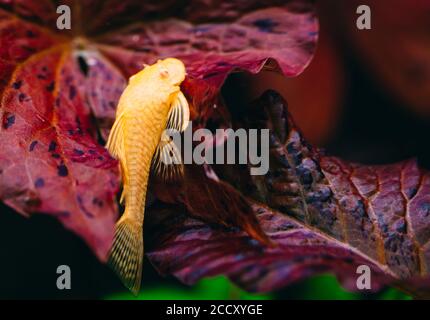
x=31, y=34
x=348, y=260
x=50, y=87
x=78, y=124
x=327, y=257
x=291, y=148
x=253, y=242
x=62, y=170
x=52, y=146
x=392, y=241
x=284, y=160
x=319, y=196
x=325, y=194
x=64, y=214
x=82, y=207
x=260, y=211
x=56, y=156
x=411, y=192
x=83, y=65
x=265, y=25
x=295, y=153
x=223, y=64
x=400, y=226
x=22, y=97
x=39, y=183
x=305, y=175
x=360, y=209
x=28, y=49
x=426, y=209
x=17, y=84
x=8, y=120
x=32, y=145
x=382, y=224
x=72, y=92
x=201, y=29
x=298, y=157
x=78, y=152
x=98, y=202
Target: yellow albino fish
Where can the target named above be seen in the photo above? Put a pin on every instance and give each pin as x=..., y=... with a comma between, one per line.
x=150, y=103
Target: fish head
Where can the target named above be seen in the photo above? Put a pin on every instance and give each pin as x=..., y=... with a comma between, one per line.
x=172, y=70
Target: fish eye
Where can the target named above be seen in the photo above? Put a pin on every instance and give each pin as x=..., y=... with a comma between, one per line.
x=164, y=73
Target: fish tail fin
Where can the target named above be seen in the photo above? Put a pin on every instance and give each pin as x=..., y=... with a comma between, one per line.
x=126, y=255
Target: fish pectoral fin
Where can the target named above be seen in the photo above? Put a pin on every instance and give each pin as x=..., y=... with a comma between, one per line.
x=167, y=162
x=179, y=114
x=126, y=254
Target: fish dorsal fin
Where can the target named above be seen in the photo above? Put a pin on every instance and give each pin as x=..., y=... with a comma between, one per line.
x=115, y=142
x=167, y=162
x=115, y=146
x=179, y=114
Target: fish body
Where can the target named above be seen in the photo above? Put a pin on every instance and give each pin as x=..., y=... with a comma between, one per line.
x=150, y=103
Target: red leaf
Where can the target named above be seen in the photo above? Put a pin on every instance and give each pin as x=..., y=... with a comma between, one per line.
x=212, y=201
x=59, y=89
x=50, y=159
x=315, y=96
x=211, y=51
x=191, y=249
x=322, y=214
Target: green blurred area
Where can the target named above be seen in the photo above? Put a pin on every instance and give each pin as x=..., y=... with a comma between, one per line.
x=216, y=288
x=324, y=287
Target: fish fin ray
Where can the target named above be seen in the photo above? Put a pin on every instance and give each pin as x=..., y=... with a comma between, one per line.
x=115, y=146
x=179, y=114
x=126, y=255
x=167, y=162
x=115, y=142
